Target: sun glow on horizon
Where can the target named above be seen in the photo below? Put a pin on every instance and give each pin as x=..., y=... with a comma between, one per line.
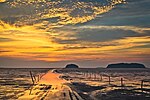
x=55, y=31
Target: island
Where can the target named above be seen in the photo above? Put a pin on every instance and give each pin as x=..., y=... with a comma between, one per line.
x=126, y=65
x=72, y=66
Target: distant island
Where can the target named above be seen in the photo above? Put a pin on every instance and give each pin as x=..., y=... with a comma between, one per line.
x=72, y=66
x=126, y=65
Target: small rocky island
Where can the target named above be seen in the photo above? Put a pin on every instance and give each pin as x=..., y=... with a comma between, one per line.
x=126, y=65
x=72, y=66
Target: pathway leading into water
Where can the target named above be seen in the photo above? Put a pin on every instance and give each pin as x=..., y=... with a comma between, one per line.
x=50, y=87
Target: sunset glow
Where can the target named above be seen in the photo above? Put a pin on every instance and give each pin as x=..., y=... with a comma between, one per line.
x=56, y=31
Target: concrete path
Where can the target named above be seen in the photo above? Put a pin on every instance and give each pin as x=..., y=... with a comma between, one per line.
x=51, y=78
x=50, y=87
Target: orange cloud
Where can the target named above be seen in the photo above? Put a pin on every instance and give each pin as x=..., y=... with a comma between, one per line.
x=36, y=41
x=30, y=42
x=2, y=1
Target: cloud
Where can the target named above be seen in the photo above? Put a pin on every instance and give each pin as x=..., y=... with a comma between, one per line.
x=1, y=1
x=126, y=28
x=17, y=63
x=89, y=34
x=4, y=51
x=64, y=12
x=134, y=13
x=72, y=31
x=5, y=39
x=72, y=42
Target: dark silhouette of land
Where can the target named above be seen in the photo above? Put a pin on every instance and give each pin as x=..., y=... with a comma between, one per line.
x=126, y=65
x=72, y=66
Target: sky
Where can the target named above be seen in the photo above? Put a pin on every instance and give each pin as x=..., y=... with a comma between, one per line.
x=90, y=33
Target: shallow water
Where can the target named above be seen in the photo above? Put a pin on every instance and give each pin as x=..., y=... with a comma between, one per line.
x=91, y=87
x=13, y=82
